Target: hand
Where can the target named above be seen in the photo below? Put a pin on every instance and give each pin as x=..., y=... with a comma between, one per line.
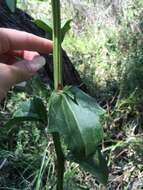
x=16, y=44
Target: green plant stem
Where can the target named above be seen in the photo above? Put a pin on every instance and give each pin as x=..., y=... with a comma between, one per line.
x=57, y=57
x=60, y=161
x=58, y=85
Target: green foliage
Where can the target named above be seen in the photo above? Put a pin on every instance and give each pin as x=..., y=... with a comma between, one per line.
x=96, y=165
x=132, y=74
x=45, y=27
x=30, y=110
x=65, y=28
x=106, y=49
x=77, y=119
x=72, y=114
x=48, y=29
x=11, y=5
x=38, y=88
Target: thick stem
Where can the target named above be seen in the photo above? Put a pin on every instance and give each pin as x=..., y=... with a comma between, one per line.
x=58, y=85
x=60, y=161
x=57, y=58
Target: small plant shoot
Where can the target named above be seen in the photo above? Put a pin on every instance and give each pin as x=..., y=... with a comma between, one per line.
x=73, y=116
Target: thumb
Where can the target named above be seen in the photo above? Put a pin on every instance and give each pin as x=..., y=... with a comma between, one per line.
x=24, y=70
x=18, y=72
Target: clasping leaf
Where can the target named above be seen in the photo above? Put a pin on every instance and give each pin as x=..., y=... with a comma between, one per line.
x=77, y=120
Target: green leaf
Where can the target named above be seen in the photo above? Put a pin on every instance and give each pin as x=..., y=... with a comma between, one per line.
x=77, y=121
x=44, y=27
x=76, y=117
x=11, y=5
x=48, y=29
x=95, y=164
x=30, y=110
x=67, y=91
x=65, y=29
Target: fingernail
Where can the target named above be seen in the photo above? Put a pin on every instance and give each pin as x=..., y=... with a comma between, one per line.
x=37, y=63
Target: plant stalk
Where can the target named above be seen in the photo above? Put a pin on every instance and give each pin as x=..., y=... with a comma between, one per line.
x=60, y=161
x=57, y=55
x=58, y=85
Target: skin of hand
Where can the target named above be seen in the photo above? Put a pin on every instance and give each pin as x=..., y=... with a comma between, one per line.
x=17, y=44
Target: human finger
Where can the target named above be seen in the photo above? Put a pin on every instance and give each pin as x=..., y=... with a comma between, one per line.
x=18, y=40
x=18, y=72
x=11, y=56
x=23, y=70
x=24, y=54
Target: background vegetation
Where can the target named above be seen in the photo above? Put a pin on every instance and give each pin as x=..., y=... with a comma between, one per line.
x=105, y=44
